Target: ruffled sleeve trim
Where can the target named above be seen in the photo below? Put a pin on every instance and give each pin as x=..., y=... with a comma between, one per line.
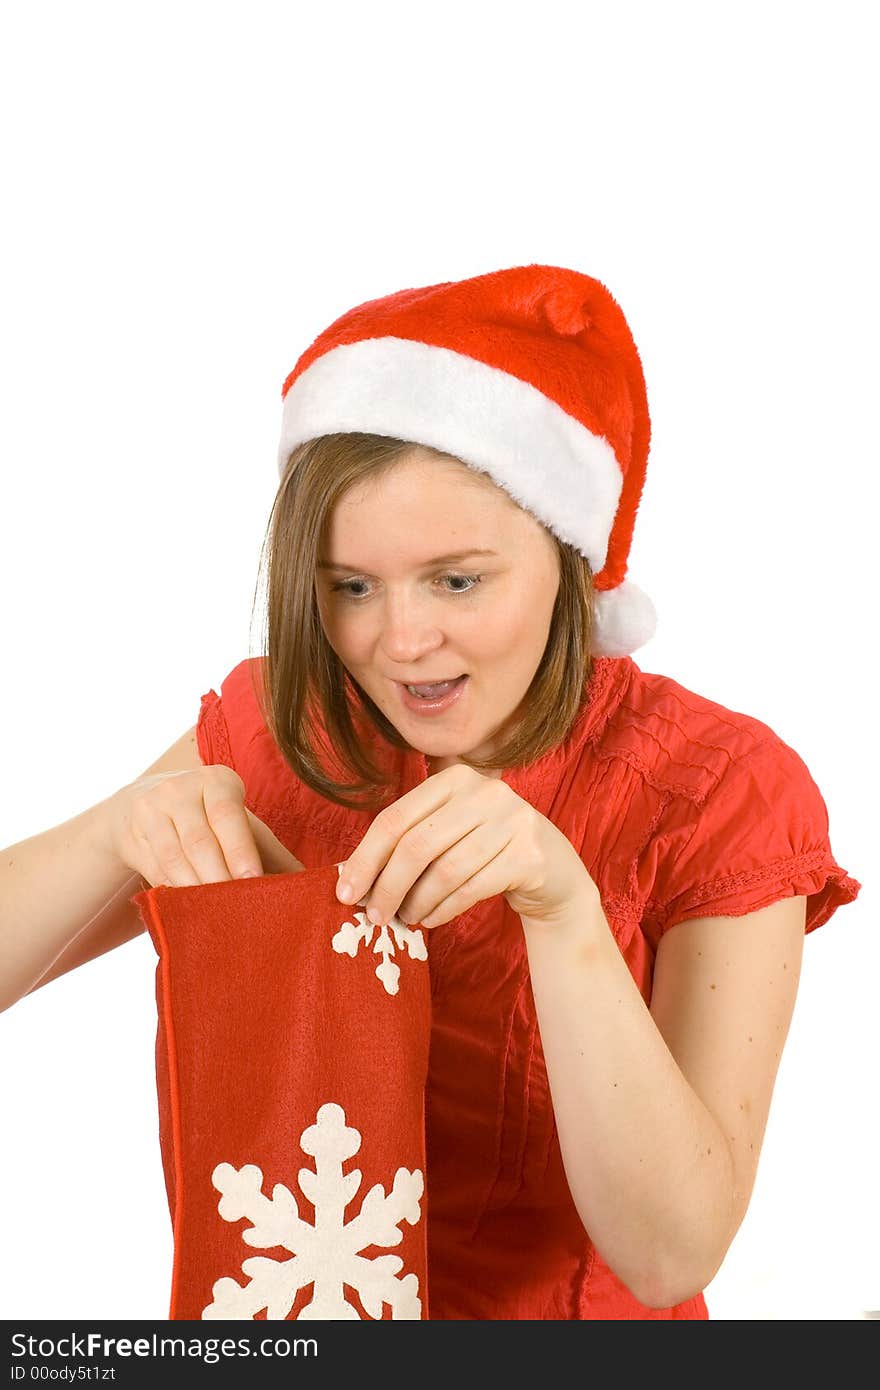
x=814, y=874
x=212, y=733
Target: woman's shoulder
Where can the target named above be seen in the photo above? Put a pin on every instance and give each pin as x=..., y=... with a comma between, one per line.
x=735, y=815
x=685, y=742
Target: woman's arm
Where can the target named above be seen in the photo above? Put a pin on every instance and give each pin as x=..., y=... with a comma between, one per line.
x=64, y=898
x=661, y=1111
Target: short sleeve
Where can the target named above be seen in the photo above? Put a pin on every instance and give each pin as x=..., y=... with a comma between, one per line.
x=212, y=734
x=231, y=730
x=761, y=835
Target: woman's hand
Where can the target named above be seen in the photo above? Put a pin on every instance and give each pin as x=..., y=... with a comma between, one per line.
x=458, y=838
x=183, y=828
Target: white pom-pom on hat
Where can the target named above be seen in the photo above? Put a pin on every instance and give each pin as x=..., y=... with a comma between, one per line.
x=623, y=620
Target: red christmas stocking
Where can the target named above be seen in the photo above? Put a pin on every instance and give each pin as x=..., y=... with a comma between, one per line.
x=292, y=1038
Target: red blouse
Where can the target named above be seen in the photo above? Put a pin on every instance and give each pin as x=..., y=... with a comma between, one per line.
x=679, y=808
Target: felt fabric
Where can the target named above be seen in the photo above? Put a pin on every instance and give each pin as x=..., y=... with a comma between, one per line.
x=291, y=1061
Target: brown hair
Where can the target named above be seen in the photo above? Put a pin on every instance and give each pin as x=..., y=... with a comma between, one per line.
x=302, y=674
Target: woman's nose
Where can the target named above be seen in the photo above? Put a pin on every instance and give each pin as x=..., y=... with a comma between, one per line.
x=407, y=645
x=407, y=632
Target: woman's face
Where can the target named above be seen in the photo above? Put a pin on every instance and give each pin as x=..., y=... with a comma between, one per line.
x=396, y=612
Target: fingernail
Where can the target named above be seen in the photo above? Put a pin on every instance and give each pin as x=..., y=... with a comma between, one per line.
x=374, y=915
x=250, y=873
x=344, y=891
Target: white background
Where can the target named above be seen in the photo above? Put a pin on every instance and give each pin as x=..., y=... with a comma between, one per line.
x=192, y=192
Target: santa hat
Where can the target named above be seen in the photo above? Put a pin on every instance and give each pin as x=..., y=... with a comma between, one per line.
x=530, y=374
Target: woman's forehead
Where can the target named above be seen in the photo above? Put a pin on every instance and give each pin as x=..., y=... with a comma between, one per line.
x=423, y=480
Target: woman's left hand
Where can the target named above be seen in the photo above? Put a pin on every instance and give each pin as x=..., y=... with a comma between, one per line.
x=455, y=839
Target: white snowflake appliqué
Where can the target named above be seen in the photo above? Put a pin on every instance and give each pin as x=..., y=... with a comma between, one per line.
x=327, y=1254
x=350, y=934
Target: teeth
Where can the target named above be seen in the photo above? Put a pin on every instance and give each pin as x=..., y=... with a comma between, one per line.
x=439, y=689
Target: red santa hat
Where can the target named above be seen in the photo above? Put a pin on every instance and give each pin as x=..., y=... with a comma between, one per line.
x=529, y=374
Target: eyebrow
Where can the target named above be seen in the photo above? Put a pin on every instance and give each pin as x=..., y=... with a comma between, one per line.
x=437, y=560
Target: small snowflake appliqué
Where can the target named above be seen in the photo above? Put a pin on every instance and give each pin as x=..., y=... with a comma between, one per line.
x=327, y=1254
x=351, y=934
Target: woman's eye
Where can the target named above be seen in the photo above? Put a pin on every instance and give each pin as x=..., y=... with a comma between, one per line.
x=348, y=587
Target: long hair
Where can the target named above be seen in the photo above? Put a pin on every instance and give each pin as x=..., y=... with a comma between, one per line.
x=303, y=695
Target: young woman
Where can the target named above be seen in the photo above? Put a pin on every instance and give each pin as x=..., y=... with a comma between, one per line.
x=615, y=872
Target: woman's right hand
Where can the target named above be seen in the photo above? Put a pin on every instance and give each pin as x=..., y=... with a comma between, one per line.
x=183, y=828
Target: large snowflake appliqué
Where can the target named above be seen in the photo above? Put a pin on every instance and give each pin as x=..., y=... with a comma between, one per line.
x=327, y=1254
x=351, y=934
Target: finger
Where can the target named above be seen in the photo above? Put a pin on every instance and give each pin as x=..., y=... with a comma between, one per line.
x=382, y=836
x=161, y=843
x=451, y=869
x=148, y=865
x=416, y=851
x=222, y=839
x=488, y=881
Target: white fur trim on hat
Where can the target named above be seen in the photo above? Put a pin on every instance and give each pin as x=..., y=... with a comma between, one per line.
x=548, y=462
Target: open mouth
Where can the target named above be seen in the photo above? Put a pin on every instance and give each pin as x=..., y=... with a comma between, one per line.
x=432, y=698
x=436, y=690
